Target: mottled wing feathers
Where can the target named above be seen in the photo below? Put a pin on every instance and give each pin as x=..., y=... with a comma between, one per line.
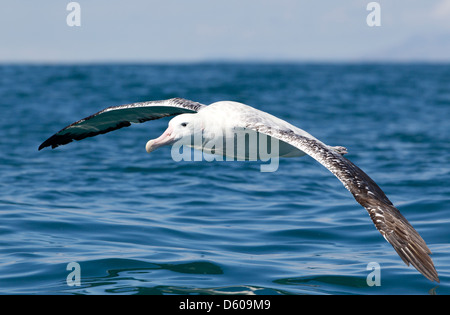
x=116, y=117
x=387, y=219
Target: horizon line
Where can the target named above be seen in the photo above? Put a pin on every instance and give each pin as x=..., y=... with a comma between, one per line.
x=221, y=61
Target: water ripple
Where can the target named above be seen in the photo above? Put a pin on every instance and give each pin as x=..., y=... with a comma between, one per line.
x=143, y=224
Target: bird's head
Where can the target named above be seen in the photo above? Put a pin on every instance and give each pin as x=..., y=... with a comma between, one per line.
x=181, y=128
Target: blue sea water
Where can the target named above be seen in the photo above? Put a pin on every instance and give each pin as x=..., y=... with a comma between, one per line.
x=145, y=224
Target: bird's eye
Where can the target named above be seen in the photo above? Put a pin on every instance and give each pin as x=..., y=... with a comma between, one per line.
x=184, y=124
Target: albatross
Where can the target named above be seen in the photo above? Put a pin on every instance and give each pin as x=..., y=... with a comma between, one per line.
x=227, y=118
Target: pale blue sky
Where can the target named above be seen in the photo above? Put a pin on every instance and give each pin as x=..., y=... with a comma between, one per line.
x=199, y=30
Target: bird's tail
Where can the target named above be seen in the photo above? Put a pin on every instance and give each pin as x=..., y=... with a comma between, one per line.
x=340, y=150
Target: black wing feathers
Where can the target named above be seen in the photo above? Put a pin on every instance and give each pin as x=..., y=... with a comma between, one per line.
x=116, y=117
x=387, y=219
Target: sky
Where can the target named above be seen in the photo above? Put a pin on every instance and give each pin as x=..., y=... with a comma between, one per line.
x=217, y=30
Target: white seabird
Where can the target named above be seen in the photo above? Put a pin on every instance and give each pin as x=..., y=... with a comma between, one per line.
x=226, y=118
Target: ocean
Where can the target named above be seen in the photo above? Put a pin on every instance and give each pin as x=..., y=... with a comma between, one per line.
x=101, y=216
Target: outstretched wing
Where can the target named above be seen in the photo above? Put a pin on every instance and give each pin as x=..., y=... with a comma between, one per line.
x=116, y=117
x=387, y=219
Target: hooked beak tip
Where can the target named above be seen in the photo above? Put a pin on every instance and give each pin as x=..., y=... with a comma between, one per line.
x=149, y=146
x=165, y=139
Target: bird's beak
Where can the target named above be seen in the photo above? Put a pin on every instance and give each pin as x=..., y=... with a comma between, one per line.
x=165, y=139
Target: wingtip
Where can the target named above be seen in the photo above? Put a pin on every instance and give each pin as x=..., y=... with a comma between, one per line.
x=44, y=145
x=419, y=258
x=433, y=276
x=436, y=279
